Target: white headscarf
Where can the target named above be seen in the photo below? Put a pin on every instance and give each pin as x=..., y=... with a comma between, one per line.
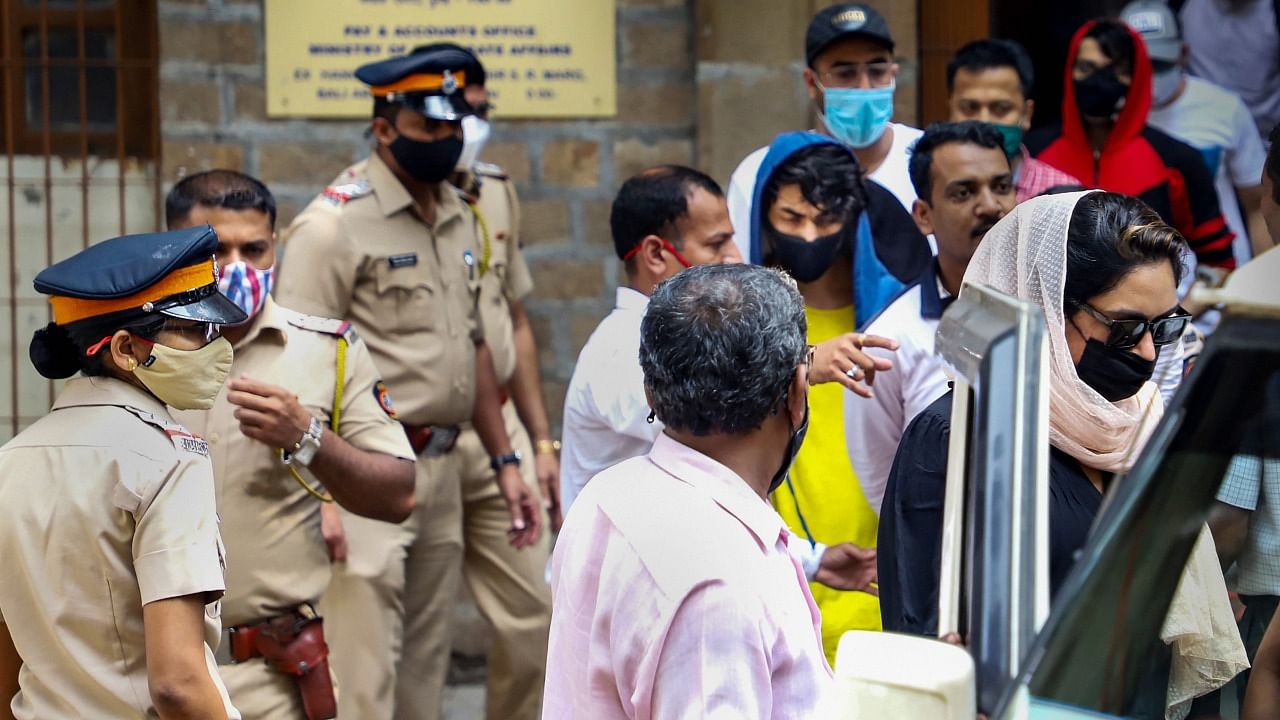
x=1025, y=255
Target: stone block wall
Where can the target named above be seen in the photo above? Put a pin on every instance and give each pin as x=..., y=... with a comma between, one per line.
x=214, y=115
x=699, y=82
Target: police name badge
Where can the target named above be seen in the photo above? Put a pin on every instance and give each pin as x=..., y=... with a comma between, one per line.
x=182, y=438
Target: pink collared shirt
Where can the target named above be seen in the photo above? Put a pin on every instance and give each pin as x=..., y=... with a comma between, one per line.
x=675, y=595
x=1035, y=176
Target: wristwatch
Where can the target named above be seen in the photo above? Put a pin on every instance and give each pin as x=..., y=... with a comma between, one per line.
x=510, y=459
x=304, y=451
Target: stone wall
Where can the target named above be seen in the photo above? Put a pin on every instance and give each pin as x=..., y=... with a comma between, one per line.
x=214, y=115
x=699, y=81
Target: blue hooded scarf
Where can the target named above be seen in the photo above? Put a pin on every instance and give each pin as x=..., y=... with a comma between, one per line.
x=889, y=252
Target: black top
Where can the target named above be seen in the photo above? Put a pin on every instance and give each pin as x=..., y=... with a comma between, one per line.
x=910, y=540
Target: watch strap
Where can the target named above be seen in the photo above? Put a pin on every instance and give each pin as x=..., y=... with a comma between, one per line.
x=512, y=458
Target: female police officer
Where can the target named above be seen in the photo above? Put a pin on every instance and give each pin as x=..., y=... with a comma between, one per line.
x=107, y=523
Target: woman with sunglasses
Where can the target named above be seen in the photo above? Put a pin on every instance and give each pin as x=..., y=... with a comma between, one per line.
x=112, y=560
x=1105, y=270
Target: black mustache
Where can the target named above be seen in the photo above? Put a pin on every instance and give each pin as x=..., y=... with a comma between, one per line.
x=983, y=229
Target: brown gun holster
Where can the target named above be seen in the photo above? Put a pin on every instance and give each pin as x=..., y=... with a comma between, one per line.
x=293, y=644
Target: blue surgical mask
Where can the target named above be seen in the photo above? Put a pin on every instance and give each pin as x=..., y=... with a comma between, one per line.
x=856, y=116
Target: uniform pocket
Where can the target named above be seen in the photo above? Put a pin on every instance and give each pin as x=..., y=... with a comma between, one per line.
x=408, y=297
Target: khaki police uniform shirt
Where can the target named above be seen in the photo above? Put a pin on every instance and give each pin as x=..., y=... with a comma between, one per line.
x=276, y=556
x=361, y=251
x=507, y=278
x=106, y=505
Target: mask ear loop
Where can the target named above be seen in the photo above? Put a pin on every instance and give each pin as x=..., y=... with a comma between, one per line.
x=795, y=499
x=94, y=348
x=133, y=364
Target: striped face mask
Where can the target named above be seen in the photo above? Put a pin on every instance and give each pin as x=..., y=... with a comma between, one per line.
x=246, y=286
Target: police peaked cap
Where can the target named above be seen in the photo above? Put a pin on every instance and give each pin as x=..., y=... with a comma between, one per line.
x=429, y=80
x=172, y=273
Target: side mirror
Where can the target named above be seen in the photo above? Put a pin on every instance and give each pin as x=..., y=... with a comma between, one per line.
x=882, y=675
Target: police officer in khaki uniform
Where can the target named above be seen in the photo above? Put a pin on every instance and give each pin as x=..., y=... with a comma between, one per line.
x=509, y=586
x=393, y=248
x=112, y=559
x=282, y=397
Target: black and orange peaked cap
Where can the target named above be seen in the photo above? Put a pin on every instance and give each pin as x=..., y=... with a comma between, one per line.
x=172, y=273
x=428, y=80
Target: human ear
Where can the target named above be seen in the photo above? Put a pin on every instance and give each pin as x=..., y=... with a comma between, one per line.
x=125, y=352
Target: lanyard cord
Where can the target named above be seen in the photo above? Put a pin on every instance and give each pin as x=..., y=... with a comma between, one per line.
x=486, y=253
x=334, y=418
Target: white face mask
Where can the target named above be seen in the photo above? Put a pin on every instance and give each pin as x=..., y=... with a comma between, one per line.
x=475, y=133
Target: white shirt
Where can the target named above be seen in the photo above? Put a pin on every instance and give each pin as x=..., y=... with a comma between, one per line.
x=873, y=426
x=892, y=174
x=1216, y=122
x=605, y=411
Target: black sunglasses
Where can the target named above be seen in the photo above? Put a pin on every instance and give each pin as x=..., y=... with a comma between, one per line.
x=1124, y=334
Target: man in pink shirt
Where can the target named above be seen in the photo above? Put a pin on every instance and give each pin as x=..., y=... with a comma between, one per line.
x=676, y=589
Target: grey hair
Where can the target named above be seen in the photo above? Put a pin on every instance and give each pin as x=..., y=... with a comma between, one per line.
x=719, y=346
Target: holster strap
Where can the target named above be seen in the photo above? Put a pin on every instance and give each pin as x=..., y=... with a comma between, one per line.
x=432, y=440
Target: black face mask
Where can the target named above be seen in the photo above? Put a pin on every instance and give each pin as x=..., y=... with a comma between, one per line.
x=1098, y=95
x=793, y=449
x=806, y=261
x=1115, y=373
x=427, y=161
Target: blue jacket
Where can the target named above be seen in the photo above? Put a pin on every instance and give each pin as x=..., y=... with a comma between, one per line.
x=889, y=252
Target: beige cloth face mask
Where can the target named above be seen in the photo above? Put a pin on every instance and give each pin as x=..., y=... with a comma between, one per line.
x=187, y=379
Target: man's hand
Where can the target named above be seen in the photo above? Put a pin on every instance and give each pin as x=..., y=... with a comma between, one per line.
x=547, y=467
x=526, y=516
x=335, y=537
x=843, y=360
x=268, y=413
x=848, y=567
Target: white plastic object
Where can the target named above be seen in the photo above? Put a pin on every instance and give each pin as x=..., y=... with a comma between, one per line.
x=888, y=675
x=1252, y=288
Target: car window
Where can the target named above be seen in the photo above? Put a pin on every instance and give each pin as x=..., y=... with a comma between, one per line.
x=1101, y=649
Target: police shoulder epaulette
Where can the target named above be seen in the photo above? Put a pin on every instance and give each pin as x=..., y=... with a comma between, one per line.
x=465, y=196
x=182, y=438
x=490, y=170
x=341, y=194
x=328, y=326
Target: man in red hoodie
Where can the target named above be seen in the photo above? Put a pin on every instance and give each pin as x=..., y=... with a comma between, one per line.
x=1105, y=141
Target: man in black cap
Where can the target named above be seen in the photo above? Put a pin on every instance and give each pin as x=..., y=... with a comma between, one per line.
x=850, y=78
x=395, y=249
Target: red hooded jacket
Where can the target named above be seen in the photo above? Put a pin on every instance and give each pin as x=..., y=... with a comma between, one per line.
x=1140, y=160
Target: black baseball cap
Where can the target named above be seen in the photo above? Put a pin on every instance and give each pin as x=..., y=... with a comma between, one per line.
x=839, y=21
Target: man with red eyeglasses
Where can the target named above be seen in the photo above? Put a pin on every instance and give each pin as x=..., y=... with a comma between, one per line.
x=664, y=219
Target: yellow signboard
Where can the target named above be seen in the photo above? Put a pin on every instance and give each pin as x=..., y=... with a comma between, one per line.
x=544, y=58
